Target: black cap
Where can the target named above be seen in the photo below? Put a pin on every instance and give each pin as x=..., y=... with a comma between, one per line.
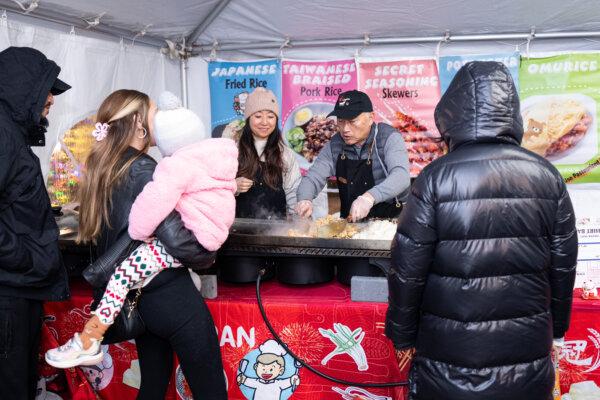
x=350, y=104
x=59, y=87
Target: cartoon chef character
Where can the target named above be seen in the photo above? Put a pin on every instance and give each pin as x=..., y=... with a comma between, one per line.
x=239, y=102
x=242, y=98
x=269, y=365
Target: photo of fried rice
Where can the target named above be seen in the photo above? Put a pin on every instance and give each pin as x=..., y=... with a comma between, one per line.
x=422, y=147
x=555, y=125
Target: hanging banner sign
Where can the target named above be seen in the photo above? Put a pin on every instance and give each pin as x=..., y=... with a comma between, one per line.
x=310, y=90
x=449, y=65
x=585, y=199
x=560, y=103
x=231, y=82
x=404, y=94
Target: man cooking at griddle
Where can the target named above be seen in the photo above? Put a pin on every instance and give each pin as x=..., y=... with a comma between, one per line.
x=368, y=159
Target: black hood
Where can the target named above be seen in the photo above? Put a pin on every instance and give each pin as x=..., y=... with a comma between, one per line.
x=26, y=77
x=480, y=105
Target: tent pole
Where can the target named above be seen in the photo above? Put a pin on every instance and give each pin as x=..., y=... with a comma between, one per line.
x=184, y=79
x=398, y=40
x=207, y=21
x=57, y=18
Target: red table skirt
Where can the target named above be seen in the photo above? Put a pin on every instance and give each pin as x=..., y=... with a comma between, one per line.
x=580, y=357
x=305, y=317
x=309, y=319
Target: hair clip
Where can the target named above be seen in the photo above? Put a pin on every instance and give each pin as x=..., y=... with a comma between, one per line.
x=101, y=131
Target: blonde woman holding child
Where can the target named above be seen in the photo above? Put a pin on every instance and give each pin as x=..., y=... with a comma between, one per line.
x=182, y=208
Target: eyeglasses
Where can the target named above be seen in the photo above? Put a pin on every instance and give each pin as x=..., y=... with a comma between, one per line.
x=353, y=122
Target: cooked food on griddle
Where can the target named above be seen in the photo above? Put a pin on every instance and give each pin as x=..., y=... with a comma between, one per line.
x=326, y=227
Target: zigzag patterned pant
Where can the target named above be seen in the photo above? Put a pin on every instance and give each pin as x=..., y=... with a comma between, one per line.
x=148, y=259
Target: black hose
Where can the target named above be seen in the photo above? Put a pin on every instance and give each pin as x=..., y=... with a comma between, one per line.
x=301, y=361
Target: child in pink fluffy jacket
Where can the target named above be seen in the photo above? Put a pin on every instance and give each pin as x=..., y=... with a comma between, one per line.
x=196, y=177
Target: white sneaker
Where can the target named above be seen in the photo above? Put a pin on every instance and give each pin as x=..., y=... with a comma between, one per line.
x=72, y=354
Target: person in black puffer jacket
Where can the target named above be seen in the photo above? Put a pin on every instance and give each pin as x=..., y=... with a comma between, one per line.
x=483, y=262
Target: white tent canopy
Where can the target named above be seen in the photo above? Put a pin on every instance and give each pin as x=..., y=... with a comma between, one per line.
x=115, y=41
x=243, y=23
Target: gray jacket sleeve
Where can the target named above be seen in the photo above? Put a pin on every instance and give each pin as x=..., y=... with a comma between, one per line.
x=397, y=183
x=291, y=179
x=316, y=178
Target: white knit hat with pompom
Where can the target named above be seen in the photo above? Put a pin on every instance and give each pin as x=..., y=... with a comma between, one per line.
x=174, y=126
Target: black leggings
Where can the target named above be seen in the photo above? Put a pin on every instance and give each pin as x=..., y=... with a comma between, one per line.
x=177, y=319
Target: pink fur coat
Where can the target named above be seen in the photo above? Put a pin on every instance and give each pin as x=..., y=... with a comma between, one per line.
x=199, y=182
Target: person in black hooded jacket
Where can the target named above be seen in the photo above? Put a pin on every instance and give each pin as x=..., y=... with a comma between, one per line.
x=483, y=262
x=31, y=267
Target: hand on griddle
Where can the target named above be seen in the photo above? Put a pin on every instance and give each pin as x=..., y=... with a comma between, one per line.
x=243, y=184
x=304, y=208
x=361, y=206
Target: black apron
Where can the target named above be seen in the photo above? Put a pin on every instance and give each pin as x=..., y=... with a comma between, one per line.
x=354, y=178
x=262, y=201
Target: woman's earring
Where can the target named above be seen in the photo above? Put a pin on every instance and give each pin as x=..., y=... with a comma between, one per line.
x=144, y=135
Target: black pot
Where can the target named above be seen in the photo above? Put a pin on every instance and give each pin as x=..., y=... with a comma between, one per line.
x=244, y=269
x=349, y=267
x=305, y=270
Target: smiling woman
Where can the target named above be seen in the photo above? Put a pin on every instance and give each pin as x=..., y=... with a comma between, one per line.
x=268, y=174
x=262, y=123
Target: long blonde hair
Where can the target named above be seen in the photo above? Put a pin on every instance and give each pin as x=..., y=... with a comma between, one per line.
x=105, y=166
